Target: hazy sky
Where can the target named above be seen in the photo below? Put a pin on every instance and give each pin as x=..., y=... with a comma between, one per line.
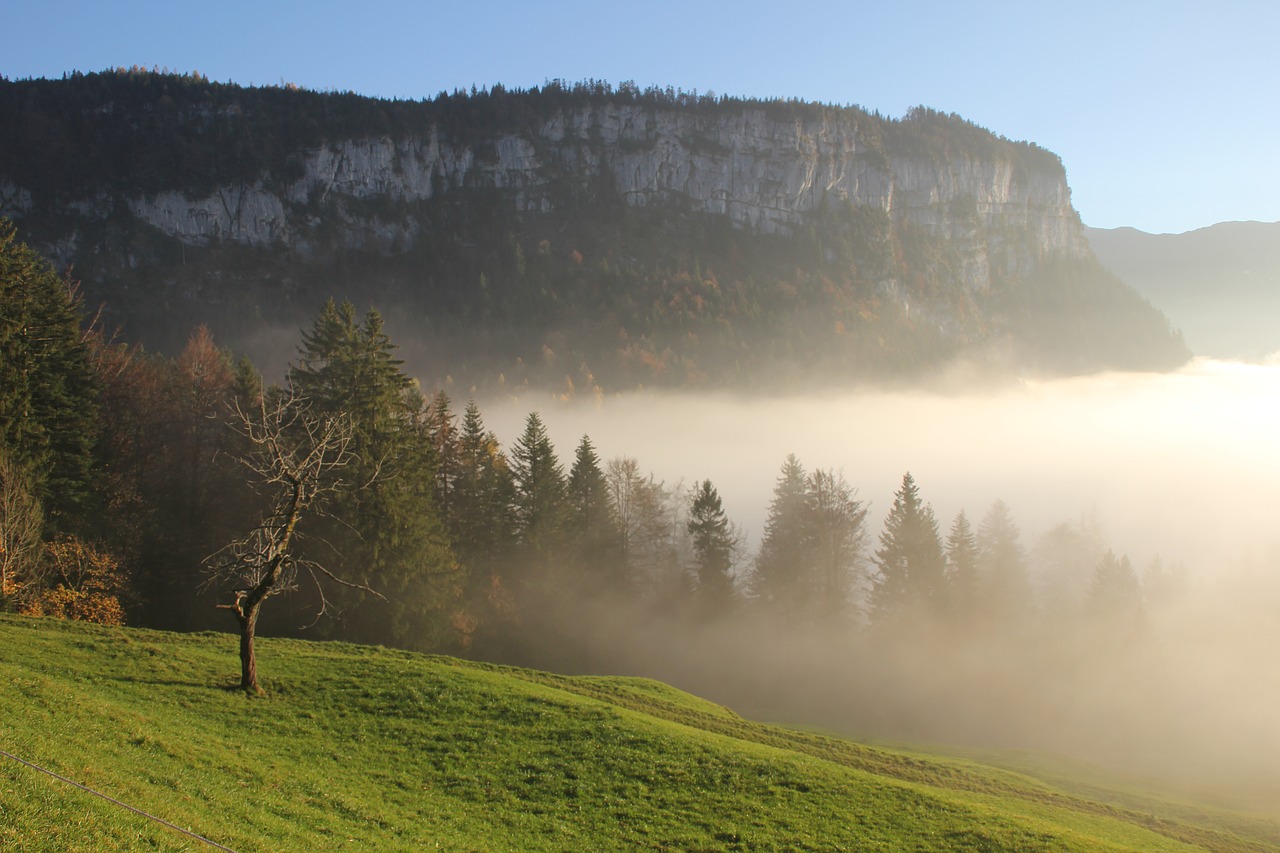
x=1164, y=113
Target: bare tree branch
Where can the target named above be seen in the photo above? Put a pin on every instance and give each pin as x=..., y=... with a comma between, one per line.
x=297, y=459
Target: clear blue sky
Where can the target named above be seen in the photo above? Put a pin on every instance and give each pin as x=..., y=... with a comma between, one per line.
x=1166, y=114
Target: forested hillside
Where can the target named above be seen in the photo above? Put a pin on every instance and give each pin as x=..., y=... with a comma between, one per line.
x=581, y=238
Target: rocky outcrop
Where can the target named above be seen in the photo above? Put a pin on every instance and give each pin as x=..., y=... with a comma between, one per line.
x=15, y=201
x=762, y=172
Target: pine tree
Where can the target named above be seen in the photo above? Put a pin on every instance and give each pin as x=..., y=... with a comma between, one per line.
x=442, y=435
x=540, y=492
x=591, y=523
x=392, y=538
x=1005, y=586
x=483, y=525
x=909, y=561
x=1115, y=598
x=783, y=577
x=962, y=569
x=48, y=390
x=835, y=546
x=482, y=528
x=349, y=366
x=714, y=546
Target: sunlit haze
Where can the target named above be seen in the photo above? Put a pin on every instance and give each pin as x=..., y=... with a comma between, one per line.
x=1184, y=465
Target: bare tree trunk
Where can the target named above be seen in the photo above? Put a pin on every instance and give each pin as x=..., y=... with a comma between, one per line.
x=248, y=662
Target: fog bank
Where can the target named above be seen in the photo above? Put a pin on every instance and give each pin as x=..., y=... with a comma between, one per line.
x=1184, y=464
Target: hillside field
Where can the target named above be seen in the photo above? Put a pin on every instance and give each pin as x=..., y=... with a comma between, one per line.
x=366, y=748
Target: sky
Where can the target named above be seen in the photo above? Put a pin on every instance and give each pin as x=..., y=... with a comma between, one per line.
x=1164, y=113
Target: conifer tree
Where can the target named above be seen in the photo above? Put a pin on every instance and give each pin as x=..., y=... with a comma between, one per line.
x=482, y=528
x=391, y=537
x=809, y=559
x=540, y=492
x=962, y=568
x=591, y=523
x=909, y=560
x=483, y=525
x=782, y=578
x=714, y=546
x=1005, y=587
x=1115, y=598
x=836, y=542
x=442, y=435
x=48, y=390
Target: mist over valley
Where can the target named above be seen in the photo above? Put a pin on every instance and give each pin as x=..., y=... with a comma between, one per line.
x=1180, y=464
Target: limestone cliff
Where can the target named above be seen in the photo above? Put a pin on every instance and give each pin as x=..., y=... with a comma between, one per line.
x=964, y=212
x=763, y=173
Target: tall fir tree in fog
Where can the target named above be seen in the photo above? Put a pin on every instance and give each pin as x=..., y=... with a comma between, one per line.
x=835, y=545
x=811, y=555
x=782, y=578
x=443, y=438
x=539, y=493
x=591, y=523
x=909, y=562
x=482, y=530
x=1115, y=599
x=962, y=569
x=714, y=546
x=483, y=523
x=1005, y=587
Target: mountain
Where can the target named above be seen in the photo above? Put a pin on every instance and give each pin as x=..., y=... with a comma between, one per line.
x=577, y=236
x=367, y=748
x=1220, y=285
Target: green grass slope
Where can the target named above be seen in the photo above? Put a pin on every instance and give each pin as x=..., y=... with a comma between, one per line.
x=371, y=749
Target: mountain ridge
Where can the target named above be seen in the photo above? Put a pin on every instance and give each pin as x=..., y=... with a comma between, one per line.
x=916, y=240
x=1220, y=284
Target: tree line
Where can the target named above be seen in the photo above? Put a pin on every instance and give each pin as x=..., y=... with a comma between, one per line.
x=135, y=487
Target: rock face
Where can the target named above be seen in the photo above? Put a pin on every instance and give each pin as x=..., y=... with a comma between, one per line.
x=763, y=172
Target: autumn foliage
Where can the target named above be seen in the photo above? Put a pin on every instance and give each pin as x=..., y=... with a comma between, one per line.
x=81, y=582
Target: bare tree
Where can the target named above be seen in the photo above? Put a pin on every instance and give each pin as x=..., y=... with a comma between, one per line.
x=297, y=459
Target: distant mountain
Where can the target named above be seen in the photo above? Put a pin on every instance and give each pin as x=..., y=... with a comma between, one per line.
x=1220, y=285
x=578, y=237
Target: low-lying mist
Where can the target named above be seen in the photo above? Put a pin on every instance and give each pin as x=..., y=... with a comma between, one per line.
x=1184, y=467
x=1184, y=464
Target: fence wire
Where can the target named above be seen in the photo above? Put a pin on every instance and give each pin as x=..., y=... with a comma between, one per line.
x=111, y=799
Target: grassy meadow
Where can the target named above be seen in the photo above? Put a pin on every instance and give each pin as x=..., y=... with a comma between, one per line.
x=363, y=748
